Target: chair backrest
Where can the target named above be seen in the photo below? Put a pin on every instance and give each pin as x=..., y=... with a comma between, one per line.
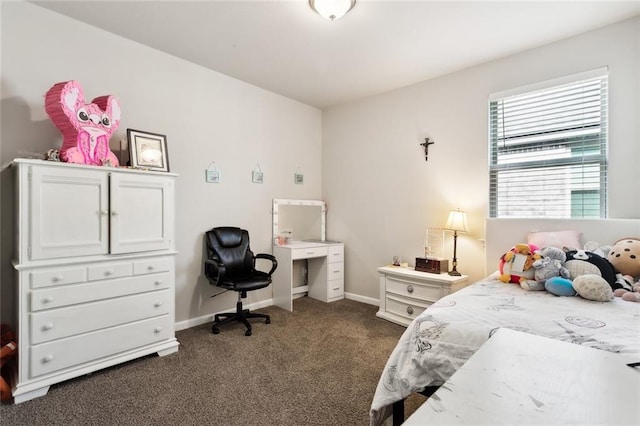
x=230, y=245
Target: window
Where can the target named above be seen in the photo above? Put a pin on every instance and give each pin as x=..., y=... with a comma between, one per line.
x=548, y=149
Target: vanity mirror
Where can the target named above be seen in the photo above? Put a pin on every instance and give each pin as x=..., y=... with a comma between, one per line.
x=298, y=220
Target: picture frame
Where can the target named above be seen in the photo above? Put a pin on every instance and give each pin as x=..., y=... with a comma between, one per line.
x=148, y=150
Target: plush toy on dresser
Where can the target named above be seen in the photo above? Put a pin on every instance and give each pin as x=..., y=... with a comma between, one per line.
x=625, y=258
x=86, y=128
x=516, y=266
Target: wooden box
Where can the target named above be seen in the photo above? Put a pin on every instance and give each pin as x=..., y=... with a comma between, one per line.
x=433, y=265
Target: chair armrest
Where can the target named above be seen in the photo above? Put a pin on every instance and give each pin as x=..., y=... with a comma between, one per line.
x=272, y=258
x=214, y=270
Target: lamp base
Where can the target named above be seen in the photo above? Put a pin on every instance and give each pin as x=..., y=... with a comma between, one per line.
x=455, y=274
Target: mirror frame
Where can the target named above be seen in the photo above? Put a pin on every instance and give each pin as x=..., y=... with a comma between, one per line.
x=277, y=202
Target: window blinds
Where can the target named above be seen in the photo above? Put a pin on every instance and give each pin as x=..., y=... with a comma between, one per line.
x=548, y=150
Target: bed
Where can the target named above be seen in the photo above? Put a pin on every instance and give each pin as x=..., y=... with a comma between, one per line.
x=443, y=337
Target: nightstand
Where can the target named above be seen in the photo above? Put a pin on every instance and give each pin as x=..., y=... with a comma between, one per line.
x=405, y=293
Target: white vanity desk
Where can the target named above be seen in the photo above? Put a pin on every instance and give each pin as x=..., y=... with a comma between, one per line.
x=308, y=264
x=325, y=272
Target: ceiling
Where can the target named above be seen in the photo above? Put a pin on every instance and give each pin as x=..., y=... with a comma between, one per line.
x=284, y=47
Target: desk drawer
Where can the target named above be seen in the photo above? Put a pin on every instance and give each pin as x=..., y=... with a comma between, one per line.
x=335, y=288
x=414, y=289
x=308, y=253
x=69, y=321
x=336, y=253
x=335, y=271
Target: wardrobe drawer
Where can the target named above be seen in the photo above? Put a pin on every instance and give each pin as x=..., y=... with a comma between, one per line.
x=336, y=253
x=78, y=319
x=49, y=298
x=413, y=289
x=110, y=271
x=335, y=271
x=308, y=253
x=63, y=353
x=405, y=307
x=58, y=276
x=151, y=266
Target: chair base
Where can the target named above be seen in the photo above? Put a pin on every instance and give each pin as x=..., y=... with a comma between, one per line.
x=240, y=315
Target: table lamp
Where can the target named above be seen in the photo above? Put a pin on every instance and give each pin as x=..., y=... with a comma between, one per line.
x=457, y=221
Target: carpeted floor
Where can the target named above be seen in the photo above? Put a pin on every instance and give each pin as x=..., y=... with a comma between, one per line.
x=318, y=365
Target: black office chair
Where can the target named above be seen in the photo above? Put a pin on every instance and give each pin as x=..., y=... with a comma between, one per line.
x=232, y=265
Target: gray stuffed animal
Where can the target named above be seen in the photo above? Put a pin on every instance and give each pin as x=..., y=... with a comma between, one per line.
x=551, y=265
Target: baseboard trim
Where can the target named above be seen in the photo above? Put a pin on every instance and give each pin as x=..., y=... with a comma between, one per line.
x=193, y=322
x=362, y=299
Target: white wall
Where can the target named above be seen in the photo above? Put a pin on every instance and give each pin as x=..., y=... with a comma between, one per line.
x=205, y=115
x=383, y=194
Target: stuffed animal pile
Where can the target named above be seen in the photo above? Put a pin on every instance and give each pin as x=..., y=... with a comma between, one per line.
x=625, y=258
x=594, y=273
x=8, y=349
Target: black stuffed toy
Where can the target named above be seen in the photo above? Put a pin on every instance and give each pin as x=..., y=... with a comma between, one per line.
x=582, y=262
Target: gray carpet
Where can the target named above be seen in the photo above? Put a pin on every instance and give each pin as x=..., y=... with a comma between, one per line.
x=316, y=366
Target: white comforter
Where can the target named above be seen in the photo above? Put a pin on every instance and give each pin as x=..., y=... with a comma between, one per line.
x=444, y=336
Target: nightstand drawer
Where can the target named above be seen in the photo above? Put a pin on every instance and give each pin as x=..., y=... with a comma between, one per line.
x=414, y=289
x=405, y=307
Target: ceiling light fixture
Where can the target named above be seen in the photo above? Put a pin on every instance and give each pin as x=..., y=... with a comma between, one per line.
x=332, y=9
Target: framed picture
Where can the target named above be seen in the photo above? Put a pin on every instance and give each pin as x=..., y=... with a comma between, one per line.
x=148, y=150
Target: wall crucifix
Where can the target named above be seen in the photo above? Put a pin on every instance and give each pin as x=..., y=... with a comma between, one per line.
x=425, y=145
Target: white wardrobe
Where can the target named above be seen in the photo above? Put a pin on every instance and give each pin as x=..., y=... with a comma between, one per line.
x=95, y=270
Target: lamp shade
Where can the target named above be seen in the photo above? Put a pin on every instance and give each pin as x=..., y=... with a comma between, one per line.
x=332, y=9
x=457, y=221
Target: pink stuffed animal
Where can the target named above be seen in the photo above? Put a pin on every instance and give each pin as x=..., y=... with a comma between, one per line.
x=86, y=128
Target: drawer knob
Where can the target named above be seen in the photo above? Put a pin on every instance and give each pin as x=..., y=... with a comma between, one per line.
x=57, y=278
x=410, y=310
x=114, y=213
x=48, y=358
x=336, y=288
x=336, y=271
x=157, y=304
x=157, y=330
x=158, y=282
x=410, y=288
x=47, y=326
x=47, y=299
x=107, y=273
x=150, y=268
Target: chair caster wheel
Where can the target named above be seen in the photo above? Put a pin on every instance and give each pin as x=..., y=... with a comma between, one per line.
x=267, y=321
x=247, y=333
x=215, y=330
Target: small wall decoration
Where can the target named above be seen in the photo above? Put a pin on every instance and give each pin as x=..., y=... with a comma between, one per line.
x=212, y=174
x=86, y=128
x=148, y=150
x=256, y=175
x=298, y=177
x=425, y=145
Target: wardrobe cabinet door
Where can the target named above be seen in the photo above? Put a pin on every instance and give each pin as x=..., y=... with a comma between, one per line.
x=68, y=213
x=141, y=213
